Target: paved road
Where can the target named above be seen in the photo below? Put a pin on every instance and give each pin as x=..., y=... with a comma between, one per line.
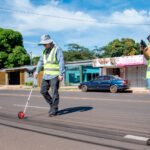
x=86, y=121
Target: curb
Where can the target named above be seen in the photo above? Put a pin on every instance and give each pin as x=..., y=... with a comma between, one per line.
x=72, y=89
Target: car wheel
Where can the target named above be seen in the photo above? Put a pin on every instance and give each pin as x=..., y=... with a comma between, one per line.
x=113, y=89
x=84, y=88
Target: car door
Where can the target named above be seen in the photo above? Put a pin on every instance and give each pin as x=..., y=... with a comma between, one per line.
x=94, y=84
x=105, y=83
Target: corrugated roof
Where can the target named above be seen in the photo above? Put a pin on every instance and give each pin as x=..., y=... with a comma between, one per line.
x=81, y=62
x=19, y=68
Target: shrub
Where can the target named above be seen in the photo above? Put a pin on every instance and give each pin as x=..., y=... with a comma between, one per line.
x=30, y=83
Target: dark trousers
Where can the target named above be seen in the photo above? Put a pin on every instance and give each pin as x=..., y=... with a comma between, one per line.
x=53, y=99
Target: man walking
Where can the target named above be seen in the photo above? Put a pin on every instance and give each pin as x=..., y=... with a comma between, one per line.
x=53, y=62
x=146, y=52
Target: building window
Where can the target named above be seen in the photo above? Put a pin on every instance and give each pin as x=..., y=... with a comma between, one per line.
x=30, y=74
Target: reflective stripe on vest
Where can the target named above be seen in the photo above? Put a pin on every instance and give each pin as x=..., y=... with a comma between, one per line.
x=148, y=70
x=49, y=69
x=51, y=66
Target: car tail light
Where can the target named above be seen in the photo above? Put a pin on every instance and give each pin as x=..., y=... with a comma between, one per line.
x=124, y=82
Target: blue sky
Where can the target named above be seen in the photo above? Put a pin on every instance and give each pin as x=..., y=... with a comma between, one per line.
x=93, y=22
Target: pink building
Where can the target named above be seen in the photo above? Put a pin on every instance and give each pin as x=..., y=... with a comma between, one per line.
x=132, y=68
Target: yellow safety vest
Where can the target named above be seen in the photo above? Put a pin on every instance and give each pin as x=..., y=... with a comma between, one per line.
x=148, y=68
x=51, y=66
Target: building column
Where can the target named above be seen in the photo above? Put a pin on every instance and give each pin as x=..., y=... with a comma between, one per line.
x=6, y=78
x=85, y=79
x=81, y=72
x=104, y=71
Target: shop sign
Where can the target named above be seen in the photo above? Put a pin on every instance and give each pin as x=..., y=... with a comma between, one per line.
x=104, y=62
x=130, y=60
x=120, y=61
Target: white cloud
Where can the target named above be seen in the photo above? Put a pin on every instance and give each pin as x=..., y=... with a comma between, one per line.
x=85, y=33
x=27, y=23
x=32, y=24
x=130, y=17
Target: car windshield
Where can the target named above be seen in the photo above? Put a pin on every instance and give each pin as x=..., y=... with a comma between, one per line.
x=98, y=78
x=116, y=78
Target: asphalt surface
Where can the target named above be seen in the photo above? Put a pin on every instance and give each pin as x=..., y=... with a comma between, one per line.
x=86, y=121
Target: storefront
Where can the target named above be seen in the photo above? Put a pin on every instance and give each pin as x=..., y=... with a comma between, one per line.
x=80, y=71
x=17, y=76
x=132, y=68
x=76, y=72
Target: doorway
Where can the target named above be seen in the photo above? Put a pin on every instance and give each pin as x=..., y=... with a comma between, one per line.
x=14, y=78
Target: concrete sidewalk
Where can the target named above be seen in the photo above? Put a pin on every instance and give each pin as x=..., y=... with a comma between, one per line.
x=68, y=88
x=24, y=87
x=139, y=90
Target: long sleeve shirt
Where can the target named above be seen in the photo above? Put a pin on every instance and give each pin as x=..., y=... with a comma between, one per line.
x=60, y=59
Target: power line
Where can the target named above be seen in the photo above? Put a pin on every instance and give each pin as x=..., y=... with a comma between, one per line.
x=46, y=15
x=73, y=19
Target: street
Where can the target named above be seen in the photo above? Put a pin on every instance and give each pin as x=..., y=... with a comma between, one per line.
x=86, y=121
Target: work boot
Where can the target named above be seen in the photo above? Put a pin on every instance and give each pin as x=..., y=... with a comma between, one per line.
x=50, y=110
x=53, y=112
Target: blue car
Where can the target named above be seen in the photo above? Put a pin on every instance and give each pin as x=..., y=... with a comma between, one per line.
x=107, y=82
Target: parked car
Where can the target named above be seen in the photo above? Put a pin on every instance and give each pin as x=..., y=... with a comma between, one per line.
x=107, y=82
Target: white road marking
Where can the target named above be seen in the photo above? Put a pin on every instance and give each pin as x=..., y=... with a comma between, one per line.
x=83, y=98
x=31, y=106
x=139, y=138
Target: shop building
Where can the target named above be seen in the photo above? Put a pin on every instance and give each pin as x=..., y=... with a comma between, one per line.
x=132, y=68
x=17, y=76
x=80, y=71
x=76, y=72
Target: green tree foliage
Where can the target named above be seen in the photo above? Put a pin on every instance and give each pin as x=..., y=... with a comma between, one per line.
x=116, y=48
x=18, y=57
x=35, y=60
x=76, y=53
x=12, y=52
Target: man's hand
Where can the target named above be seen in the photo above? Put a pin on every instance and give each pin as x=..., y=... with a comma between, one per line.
x=60, y=78
x=35, y=75
x=145, y=49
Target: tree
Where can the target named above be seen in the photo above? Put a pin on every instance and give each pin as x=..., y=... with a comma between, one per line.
x=35, y=60
x=76, y=52
x=116, y=48
x=97, y=52
x=12, y=52
x=18, y=57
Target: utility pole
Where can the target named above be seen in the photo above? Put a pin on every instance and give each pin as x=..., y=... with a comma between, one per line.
x=30, y=58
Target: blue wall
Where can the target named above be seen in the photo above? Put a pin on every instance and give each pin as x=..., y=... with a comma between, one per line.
x=76, y=74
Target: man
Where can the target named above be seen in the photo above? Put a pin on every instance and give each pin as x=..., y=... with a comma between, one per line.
x=146, y=52
x=53, y=62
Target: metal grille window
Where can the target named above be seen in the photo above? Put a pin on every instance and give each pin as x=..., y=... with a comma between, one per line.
x=30, y=74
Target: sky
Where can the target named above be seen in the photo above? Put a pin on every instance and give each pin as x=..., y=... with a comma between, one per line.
x=88, y=23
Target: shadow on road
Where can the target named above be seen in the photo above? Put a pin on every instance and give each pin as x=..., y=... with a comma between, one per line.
x=74, y=109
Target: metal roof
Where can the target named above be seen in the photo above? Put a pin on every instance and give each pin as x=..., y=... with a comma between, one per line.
x=81, y=62
x=19, y=68
x=72, y=63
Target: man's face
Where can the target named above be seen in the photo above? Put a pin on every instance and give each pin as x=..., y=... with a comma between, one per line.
x=47, y=46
